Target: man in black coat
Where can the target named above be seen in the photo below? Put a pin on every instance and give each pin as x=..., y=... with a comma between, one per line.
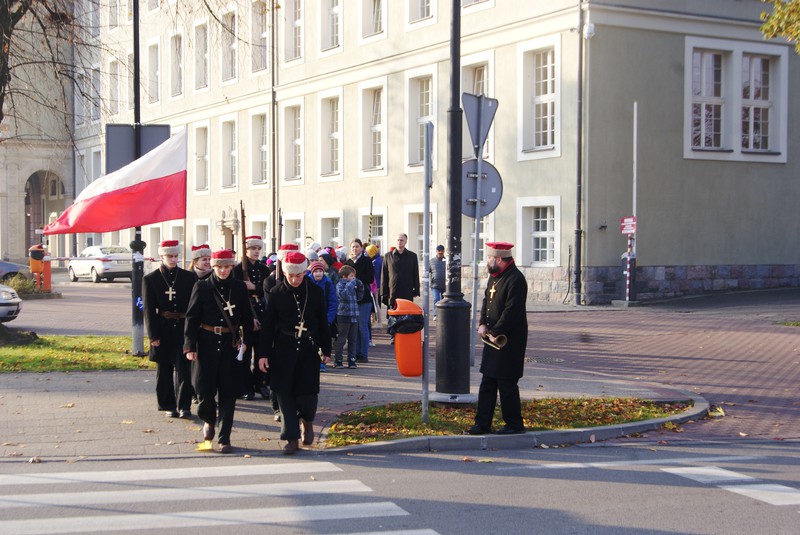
x=251, y=377
x=503, y=323
x=219, y=326
x=294, y=333
x=400, y=278
x=166, y=292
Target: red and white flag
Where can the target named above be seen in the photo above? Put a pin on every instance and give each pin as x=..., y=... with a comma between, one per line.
x=148, y=190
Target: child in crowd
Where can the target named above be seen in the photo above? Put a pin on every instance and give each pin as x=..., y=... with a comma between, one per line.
x=350, y=291
x=316, y=272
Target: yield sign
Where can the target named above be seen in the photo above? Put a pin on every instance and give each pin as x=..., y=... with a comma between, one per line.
x=479, y=112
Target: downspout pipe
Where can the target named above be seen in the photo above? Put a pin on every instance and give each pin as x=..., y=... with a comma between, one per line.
x=579, y=165
x=274, y=123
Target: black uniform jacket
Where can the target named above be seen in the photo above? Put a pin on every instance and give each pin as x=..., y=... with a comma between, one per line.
x=365, y=272
x=400, y=278
x=503, y=312
x=203, y=309
x=294, y=360
x=157, y=305
x=257, y=274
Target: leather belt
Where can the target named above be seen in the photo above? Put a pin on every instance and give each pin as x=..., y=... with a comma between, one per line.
x=172, y=315
x=215, y=329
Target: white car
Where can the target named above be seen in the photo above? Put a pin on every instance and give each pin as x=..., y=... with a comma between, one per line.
x=10, y=304
x=101, y=262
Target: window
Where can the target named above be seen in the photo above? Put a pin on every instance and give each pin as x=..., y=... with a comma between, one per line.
x=331, y=230
x=131, y=84
x=419, y=10
x=229, y=46
x=330, y=24
x=373, y=18
x=201, y=159
x=294, y=30
x=113, y=87
x=80, y=112
x=482, y=237
x=421, y=94
x=54, y=188
x=756, y=102
x=540, y=99
x=375, y=229
x=129, y=10
x=293, y=230
x=373, y=120
x=113, y=14
x=97, y=166
x=539, y=231
x=201, y=57
x=416, y=232
x=176, y=65
x=94, y=18
x=293, y=142
x=228, y=154
x=258, y=41
x=151, y=4
x=735, y=101
x=475, y=80
x=153, y=87
x=94, y=95
x=260, y=144
x=706, y=99
x=201, y=234
x=330, y=133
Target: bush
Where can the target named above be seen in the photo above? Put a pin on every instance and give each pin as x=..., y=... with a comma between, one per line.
x=21, y=284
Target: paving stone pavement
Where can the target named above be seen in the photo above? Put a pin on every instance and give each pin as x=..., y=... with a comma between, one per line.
x=728, y=349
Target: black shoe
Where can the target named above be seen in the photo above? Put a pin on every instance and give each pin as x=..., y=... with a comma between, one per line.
x=505, y=430
x=362, y=359
x=352, y=365
x=171, y=414
x=249, y=396
x=264, y=391
x=338, y=366
x=478, y=430
x=186, y=415
x=225, y=448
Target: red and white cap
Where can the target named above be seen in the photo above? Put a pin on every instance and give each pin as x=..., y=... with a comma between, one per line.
x=285, y=249
x=199, y=251
x=316, y=265
x=169, y=247
x=294, y=263
x=254, y=241
x=499, y=248
x=223, y=257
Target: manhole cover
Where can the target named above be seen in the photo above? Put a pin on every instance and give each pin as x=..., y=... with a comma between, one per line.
x=545, y=360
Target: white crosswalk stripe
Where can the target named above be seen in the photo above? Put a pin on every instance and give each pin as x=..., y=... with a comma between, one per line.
x=86, y=509
x=750, y=487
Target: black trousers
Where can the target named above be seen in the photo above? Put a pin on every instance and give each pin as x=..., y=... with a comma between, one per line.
x=217, y=387
x=251, y=378
x=510, y=404
x=293, y=409
x=174, y=383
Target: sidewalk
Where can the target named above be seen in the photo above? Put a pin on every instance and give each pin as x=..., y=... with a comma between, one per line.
x=69, y=416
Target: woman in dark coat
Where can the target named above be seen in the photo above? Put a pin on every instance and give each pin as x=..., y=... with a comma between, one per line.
x=218, y=323
x=293, y=334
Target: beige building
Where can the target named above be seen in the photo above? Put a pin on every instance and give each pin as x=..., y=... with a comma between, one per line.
x=322, y=119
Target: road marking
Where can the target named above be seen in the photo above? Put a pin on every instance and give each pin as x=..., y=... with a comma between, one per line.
x=653, y=462
x=771, y=494
x=168, y=473
x=131, y=522
x=151, y=494
x=708, y=474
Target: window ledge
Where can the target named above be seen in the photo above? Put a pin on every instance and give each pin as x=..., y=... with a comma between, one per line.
x=538, y=149
x=761, y=152
x=700, y=149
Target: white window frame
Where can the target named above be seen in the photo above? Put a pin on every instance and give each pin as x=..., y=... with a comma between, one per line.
x=95, y=94
x=259, y=148
x=200, y=238
x=79, y=105
x=153, y=72
x=413, y=17
x=113, y=87
x=331, y=26
x=486, y=235
x=524, y=252
x=366, y=92
x=229, y=48
x=526, y=149
x=323, y=234
x=201, y=58
x=202, y=160
x=259, y=37
x=331, y=140
x=363, y=225
x=416, y=240
x=294, y=221
x=293, y=32
x=176, y=70
x=229, y=142
x=473, y=6
x=413, y=122
x=366, y=25
x=289, y=141
x=468, y=67
x=731, y=121
x=113, y=14
x=129, y=80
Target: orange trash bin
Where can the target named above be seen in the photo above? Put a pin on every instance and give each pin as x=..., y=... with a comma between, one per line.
x=407, y=327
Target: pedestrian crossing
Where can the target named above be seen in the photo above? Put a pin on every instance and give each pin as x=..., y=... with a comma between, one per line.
x=108, y=501
x=739, y=484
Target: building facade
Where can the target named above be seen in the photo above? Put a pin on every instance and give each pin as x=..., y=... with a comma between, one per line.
x=311, y=114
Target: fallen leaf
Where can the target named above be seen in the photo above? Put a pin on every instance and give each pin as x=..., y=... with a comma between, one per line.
x=127, y=422
x=7, y=444
x=468, y=459
x=312, y=478
x=485, y=461
x=591, y=438
x=34, y=460
x=743, y=434
x=149, y=431
x=170, y=442
x=544, y=446
x=246, y=456
x=68, y=406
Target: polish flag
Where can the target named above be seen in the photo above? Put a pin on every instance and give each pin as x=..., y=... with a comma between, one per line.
x=148, y=190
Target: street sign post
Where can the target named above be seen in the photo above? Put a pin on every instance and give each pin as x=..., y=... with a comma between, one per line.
x=627, y=225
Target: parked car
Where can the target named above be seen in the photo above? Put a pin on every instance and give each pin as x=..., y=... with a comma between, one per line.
x=9, y=269
x=100, y=262
x=10, y=304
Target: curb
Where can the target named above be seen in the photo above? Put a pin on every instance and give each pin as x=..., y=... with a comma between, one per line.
x=531, y=439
